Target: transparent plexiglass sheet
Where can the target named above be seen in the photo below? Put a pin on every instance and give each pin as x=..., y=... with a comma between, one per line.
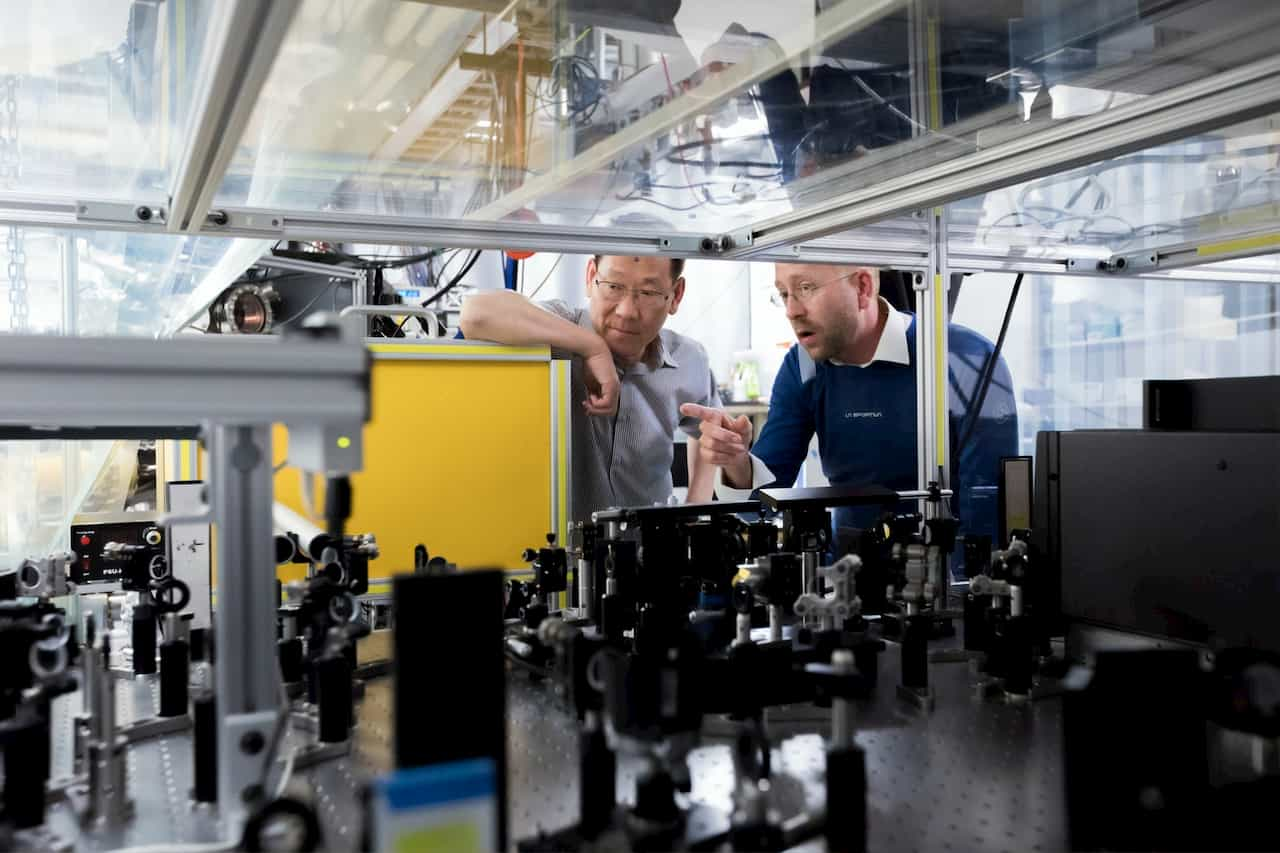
x=1078, y=347
x=112, y=283
x=695, y=115
x=45, y=485
x=1198, y=191
x=42, y=485
x=1077, y=350
x=94, y=94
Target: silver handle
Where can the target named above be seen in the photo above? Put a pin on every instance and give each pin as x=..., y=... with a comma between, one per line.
x=388, y=310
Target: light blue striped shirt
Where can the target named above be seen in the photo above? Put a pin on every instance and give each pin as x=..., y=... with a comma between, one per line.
x=625, y=459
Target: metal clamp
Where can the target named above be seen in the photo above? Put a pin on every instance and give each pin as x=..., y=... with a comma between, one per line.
x=121, y=213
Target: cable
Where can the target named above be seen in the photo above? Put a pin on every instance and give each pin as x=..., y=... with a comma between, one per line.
x=633, y=197
x=980, y=395
x=729, y=164
x=578, y=80
x=363, y=261
x=723, y=140
x=266, y=278
x=546, y=277
x=475, y=256
x=671, y=93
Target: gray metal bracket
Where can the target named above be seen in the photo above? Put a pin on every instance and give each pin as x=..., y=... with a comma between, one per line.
x=113, y=213
x=260, y=223
x=1126, y=264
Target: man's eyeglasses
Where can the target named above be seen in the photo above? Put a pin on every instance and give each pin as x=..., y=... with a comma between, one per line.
x=801, y=292
x=613, y=293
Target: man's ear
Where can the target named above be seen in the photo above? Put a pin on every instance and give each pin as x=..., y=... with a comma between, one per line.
x=677, y=293
x=866, y=284
x=591, y=275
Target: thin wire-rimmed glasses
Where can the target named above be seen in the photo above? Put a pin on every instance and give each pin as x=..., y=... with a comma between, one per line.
x=613, y=293
x=801, y=292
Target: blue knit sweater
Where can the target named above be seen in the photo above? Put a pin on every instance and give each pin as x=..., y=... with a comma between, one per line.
x=865, y=419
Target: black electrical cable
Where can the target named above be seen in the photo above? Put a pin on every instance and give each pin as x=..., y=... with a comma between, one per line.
x=716, y=140
x=363, y=261
x=728, y=164
x=264, y=279
x=676, y=208
x=471, y=262
x=454, y=282
x=984, y=382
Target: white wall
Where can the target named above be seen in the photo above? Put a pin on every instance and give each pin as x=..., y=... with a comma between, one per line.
x=716, y=311
x=771, y=334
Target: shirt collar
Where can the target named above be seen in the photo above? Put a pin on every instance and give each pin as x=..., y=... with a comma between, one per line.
x=664, y=356
x=892, y=346
x=658, y=355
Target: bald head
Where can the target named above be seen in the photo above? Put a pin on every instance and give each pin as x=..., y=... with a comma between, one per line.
x=833, y=309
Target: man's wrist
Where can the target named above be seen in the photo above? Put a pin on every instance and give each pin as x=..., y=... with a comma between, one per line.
x=592, y=345
x=739, y=474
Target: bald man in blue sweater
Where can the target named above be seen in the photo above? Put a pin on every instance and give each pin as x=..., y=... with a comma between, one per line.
x=852, y=380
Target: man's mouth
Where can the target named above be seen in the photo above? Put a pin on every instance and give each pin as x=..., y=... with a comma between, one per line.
x=805, y=336
x=622, y=331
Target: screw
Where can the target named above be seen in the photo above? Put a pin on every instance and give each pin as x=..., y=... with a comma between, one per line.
x=143, y=213
x=218, y=217
x=251, y=743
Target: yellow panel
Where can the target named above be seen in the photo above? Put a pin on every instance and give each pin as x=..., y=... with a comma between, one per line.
x=457, y=456
x=1246, y=244
x=453, y=351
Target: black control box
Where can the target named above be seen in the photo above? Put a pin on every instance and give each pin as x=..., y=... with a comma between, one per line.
x=96, y=562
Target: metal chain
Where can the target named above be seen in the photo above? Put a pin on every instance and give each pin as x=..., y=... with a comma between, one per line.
x=10, y=162
x=18, y=309
x=10, y=171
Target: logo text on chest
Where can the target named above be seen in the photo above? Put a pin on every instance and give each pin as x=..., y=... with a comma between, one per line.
x=854, y=415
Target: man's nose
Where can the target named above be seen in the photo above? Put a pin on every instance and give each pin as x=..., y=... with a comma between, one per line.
x=795, y=308
x=628, y=306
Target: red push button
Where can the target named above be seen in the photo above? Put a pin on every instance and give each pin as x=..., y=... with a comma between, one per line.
x=84, y=539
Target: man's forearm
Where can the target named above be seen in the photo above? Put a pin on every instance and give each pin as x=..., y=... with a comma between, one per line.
x=508, y=318
x=702, y=475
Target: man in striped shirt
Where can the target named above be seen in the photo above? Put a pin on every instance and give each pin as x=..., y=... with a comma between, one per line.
x=630, y=376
